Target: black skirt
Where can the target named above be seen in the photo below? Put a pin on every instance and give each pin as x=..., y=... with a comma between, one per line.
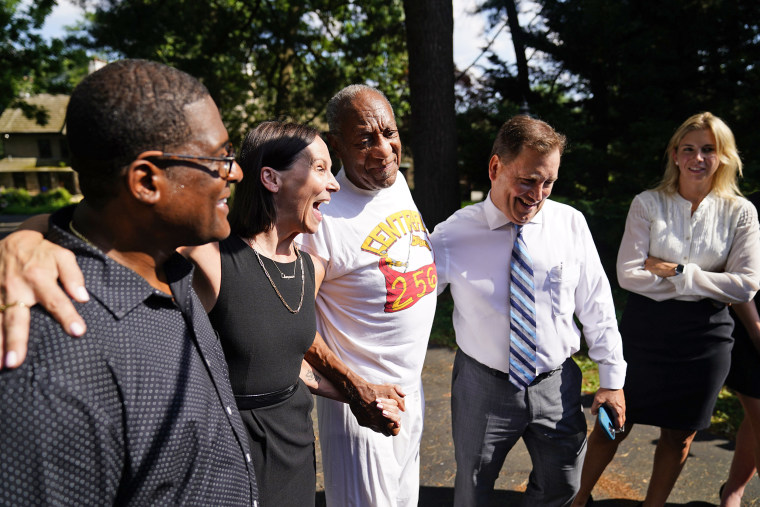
x=678, y=355
x=744, y=376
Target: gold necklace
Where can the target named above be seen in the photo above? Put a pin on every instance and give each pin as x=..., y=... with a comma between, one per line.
x=79, y=234
x=303, y=278
x=252, y=242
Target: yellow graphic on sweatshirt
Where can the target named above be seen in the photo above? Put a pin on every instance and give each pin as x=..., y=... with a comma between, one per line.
x=403, y=288
x=396, y=226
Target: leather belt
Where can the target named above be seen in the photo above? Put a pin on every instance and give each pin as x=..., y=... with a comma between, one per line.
x=251, y=401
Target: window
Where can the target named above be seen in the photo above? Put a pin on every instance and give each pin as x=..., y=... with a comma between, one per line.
x=19, y=180
x=44, y=148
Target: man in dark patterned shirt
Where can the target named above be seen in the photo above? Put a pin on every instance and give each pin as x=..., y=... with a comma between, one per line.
x=141, y=412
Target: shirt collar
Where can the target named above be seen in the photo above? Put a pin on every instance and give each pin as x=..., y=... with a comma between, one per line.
x=706, y=201
x=117, y=287
x=344, y=182
x=496, y=219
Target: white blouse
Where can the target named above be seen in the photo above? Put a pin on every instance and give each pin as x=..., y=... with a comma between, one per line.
x=719, y=246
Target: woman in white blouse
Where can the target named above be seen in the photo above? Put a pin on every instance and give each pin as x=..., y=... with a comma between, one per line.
x=690, y=247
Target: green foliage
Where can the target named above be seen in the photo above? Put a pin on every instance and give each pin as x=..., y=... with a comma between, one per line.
x=264, y=59
x=606, y=220
x=30, y=64
x=19, y=43
x=590, y=370
x=618, y=78
x=15, y=197
x=642, y=69
x=56, y=198
x=18, y=201
x=728, y=414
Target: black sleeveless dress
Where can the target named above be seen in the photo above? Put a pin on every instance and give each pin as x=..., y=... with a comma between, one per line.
x=744, y=376
x=264, y=345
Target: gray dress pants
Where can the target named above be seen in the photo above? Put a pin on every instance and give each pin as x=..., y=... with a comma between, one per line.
x=489, y=415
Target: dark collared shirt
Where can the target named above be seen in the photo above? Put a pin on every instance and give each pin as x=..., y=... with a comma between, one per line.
x=139, y=411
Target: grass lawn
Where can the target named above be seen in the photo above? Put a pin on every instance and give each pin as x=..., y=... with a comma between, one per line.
x=726, y=417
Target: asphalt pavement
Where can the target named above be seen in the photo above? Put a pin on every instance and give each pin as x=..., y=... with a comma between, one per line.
x=623, y=484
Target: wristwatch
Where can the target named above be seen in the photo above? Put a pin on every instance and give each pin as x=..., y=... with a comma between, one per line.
x=679, y=269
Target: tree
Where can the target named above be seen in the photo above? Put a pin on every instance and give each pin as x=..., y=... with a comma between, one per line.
x=629, y=72
x=429, y=34
x=523, y=76
x=484, y=103
x=618, y=77
x=30, y=65
x=263, y=59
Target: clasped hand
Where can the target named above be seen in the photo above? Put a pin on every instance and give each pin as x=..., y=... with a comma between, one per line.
x=378, y=407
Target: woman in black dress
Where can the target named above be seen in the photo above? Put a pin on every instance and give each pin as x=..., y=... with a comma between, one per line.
x=259, y=291
x=744, y=379
x=689, y=248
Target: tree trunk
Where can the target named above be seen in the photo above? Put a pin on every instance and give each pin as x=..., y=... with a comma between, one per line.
x=517, y=41
x=430, y=43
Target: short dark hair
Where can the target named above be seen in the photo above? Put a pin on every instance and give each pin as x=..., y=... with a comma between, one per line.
x=523, y=131
x=121, y=110
x=271, y=144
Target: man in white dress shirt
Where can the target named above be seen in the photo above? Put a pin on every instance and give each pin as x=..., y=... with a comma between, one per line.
x=473, y=250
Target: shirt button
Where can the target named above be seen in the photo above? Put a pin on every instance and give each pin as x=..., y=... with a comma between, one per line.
x=229, y=410
x=248, y=457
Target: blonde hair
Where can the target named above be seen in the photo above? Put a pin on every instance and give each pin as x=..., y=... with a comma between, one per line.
x=725, y=182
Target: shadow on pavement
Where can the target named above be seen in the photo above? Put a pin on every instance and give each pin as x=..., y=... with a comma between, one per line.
x=444, y=497
x=612, y=502
x=431, y=496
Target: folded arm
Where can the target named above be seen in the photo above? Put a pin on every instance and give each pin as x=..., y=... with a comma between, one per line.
x=738, y=281
x=642, y=273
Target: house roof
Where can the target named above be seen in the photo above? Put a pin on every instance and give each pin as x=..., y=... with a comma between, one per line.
x=13, y=120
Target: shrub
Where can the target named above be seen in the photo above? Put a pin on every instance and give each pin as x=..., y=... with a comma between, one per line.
x=15, y=197
x=18, y=201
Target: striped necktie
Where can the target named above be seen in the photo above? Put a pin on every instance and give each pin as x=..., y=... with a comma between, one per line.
x=522, y=315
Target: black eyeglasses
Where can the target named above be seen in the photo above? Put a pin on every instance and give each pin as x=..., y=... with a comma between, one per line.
x=224, y=171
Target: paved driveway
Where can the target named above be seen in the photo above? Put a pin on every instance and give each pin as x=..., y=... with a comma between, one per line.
x=623, y=484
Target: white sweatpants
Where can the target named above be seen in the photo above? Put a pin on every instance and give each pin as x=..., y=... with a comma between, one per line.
x=364, y=468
